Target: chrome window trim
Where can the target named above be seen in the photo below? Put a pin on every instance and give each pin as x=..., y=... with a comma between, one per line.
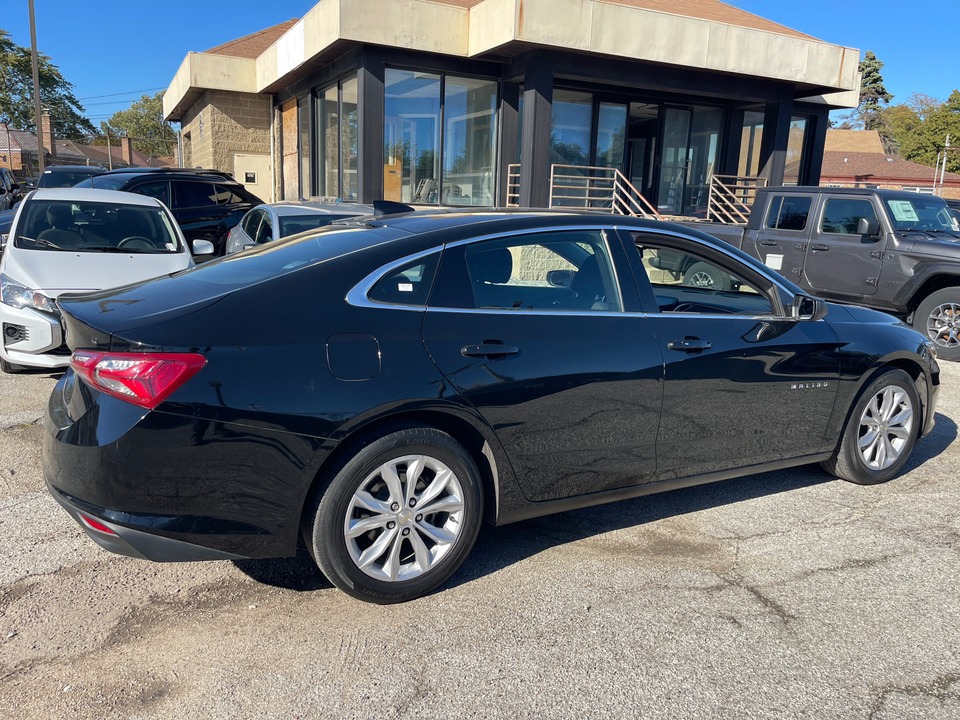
x=587, y=313
x=357, y=296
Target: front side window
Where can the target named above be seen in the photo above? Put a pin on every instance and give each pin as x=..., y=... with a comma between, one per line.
x=564, y=271
x=686, y=281
x=60, y=225
x=841, y=215
x=788, y=213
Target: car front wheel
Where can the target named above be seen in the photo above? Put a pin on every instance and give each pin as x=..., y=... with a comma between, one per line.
x=880, y=432
x=399, y=517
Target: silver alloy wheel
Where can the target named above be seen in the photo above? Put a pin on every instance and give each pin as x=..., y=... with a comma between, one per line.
x=885, y=427
x=701, y=279
x=943, y=325
x=404, y=518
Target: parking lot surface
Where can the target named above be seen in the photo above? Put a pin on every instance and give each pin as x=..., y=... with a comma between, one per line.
x=781, y=595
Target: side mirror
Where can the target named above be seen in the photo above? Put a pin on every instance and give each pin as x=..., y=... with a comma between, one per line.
x=868, y=226
x=807, y=308
x=560, y=278
x=203, y=247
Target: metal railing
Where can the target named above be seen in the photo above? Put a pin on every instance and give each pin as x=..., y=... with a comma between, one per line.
x=732, y=196
x=513, y=185
x=597, y=188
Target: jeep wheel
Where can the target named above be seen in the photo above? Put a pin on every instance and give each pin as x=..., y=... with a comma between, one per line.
x=938, y=317
x=703, y=275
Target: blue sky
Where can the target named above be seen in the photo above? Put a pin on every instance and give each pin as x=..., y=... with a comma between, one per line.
x=126, y=49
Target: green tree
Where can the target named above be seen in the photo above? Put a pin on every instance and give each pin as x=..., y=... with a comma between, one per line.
x=921, y=125
x=56, y=93
x=872, y=93
x=143, y=123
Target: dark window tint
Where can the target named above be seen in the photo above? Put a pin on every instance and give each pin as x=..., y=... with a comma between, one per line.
x=108, y=182
x=250, y=222
x=226, y=196
x=265, y=231
x=788, y=213
x=841, y=215
x=158, y=190
x=196, y=194
x=407, y=285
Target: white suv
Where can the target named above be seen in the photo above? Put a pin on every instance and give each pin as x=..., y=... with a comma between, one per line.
x=78, y=240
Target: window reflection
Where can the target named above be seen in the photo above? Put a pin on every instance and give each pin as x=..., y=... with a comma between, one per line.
x=411, y=136
x=468, y=141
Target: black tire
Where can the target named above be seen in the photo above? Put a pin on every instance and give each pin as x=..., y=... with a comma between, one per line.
x=883, y=402
x=406, y=530
x=938, y=317
x=701, y=274
x=10, y=368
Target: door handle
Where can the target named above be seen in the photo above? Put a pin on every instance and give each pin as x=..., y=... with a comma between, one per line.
x=488, y=350
x=690, y=344
x=818, y=246
x=768, y=242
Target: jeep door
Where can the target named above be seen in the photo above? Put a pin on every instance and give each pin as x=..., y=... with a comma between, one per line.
x=839, y=260
x=781, y=240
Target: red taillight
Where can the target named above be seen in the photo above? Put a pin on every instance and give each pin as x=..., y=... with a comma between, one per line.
x=144, y=379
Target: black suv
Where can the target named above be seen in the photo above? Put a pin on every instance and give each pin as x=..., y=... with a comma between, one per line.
x=206, y=203
x=10, y=193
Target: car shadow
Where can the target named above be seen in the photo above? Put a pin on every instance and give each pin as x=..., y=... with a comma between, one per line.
x=500, y=547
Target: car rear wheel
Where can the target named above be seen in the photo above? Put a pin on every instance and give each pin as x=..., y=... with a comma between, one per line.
x=938, y=317
x=704, y=275
x=881, y=431
x=399, y=517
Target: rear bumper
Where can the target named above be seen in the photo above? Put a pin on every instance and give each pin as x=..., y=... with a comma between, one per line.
x=136, y=543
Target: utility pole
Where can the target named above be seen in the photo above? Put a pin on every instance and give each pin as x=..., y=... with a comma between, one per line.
x=109, y=151
x=36, y=88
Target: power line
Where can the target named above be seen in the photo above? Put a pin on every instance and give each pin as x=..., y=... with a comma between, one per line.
x=131, y=92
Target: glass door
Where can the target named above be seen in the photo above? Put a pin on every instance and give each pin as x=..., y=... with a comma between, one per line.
x=674, y=160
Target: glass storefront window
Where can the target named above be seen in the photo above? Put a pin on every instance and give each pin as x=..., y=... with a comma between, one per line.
x=303, y=123
x=328, y=141
x=611, y=129
x=411, y=136
x=570, y=127
x=795, y=142
x=704, y=146
x=348, y=139
x=750, y=144
x=469, y=138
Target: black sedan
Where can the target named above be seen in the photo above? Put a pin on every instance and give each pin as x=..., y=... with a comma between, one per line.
x=380, y=387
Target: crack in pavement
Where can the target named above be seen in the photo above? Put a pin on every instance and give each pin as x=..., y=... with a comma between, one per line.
x=939, y=688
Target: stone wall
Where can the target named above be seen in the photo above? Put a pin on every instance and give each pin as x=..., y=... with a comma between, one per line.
x=222, y=123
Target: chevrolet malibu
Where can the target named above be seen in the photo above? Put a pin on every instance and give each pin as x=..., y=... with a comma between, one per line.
x=381, y=387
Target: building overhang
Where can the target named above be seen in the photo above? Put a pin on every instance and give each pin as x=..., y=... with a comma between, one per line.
x=501, y=29
x=200, y=72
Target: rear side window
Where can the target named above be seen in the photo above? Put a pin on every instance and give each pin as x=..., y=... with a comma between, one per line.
x=788, y=213
x=196, y=194
x=407, y=285
x=158, y=190
x=841, y=215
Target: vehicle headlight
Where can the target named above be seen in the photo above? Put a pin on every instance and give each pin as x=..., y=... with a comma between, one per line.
x=20, y=296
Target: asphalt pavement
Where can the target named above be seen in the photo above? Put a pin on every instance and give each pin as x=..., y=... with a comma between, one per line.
x=782, y=595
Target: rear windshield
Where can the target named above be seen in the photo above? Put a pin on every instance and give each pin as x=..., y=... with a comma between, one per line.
x=920, y=214
x=61, y=225
x=110, y=182
x=293, y=224
x=64, y=178
x=271, y=260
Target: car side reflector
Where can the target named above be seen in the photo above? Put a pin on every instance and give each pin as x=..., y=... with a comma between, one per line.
x=96, y=525
x=144, y=379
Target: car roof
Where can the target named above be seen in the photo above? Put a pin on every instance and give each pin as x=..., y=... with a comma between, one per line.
x=880, y=192
x=92, y=169
x=75, y=194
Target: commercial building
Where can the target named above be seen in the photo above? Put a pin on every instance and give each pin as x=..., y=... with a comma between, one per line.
x=477, y=102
